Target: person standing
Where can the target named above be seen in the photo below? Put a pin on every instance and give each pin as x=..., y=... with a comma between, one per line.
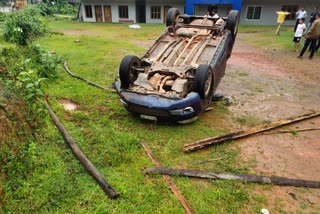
x=208, y=15
x=312, y=18
x=318, y=45
x=311, y=37
x=281, y=16
x=301, y=14
x=297, y=36
x=215, y=14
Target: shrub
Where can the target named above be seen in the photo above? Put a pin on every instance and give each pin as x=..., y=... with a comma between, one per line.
x=22, y=26
x=46, y=9
x=24, y=69
x=44, y=62
x=2, y=16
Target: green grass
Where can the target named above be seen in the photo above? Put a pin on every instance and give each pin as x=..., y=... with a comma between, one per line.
x=110, y=137
x=264, y=36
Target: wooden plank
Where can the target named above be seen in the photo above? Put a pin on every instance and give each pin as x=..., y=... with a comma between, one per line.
x=229, y=176
x=244, y=133
x=169, y=181
x=294, y=130
x=96, y=174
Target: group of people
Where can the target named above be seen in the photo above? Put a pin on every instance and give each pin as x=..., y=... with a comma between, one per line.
x=310, y=32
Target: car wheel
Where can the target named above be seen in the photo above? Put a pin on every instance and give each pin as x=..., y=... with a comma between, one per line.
x=203, y=81
x=172, y=15
x=232, y=22
x=127, y=74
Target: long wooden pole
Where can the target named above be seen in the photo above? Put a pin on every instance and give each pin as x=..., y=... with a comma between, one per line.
x=83, y=79
x=96, y=174
x=169, y=181
x=240, y=134
x=229, y=176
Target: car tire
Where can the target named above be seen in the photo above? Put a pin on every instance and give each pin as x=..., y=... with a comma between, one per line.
x=127, y=74
x=233, y=22
x=203, y=81
x=172, y=16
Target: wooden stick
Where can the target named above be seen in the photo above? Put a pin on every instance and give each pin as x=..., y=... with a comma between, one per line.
x=240, y=134
x=169, y=181
x=290, y=131
x=108, y=189
x=87, y=81
x=229, y=176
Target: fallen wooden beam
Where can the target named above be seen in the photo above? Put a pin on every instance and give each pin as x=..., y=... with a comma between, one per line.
x=291, y=131
x=169, y=181
x=108, y=189
x=229, y=176
x=240, y=134
x=87, y=81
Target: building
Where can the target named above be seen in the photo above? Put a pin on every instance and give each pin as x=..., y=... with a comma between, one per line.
x=128, y=11
x=253, y=12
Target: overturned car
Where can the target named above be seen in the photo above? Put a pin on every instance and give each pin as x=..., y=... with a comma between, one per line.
x=177, y=77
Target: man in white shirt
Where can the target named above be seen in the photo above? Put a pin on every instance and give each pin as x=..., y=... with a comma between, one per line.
x=214, y=14
x=301, y=14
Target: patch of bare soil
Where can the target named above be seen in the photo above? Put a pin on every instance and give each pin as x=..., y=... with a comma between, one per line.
x=79, y=32
x=144, y=43
x=270, y=86
x=68, y=104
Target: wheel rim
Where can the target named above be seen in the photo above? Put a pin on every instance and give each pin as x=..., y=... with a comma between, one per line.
x=208, y=83
x=236, y=28
x=133, y=72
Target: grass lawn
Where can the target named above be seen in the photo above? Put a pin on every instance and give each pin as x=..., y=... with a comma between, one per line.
x=264, y=36
x=110, y=137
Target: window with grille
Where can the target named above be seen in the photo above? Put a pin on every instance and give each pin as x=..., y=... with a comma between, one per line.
x=254, y=12
x=88, y=10
x=155, y=12
x=292, y=9
x=123, y=12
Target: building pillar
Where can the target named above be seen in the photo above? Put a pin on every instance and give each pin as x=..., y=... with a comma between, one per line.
x=189, y=7
x=237, y=5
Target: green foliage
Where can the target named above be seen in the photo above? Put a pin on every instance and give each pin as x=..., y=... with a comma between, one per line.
x=63, y=7
x=31, y=83
x=48, y=8
x=2, y=16
x=45, y=63
x=23, y=26
x=24, y=70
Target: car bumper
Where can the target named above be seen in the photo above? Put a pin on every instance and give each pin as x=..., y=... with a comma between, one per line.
x=159, y=108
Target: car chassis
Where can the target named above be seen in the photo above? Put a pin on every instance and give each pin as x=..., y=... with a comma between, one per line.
x=177, y=77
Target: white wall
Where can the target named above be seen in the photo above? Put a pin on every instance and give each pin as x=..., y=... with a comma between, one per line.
x=162, y=3
x=269, y=8
x=114, y=9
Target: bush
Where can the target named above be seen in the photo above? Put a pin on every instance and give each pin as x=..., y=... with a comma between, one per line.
x=22, y=26
x=24, y=69
x=46, y=9
x=2, y=16
x=44, y=62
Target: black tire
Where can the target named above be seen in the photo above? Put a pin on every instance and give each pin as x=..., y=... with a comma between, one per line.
x=127, y=74
x=233, y=22
x=203, y=81
x=172, y=16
